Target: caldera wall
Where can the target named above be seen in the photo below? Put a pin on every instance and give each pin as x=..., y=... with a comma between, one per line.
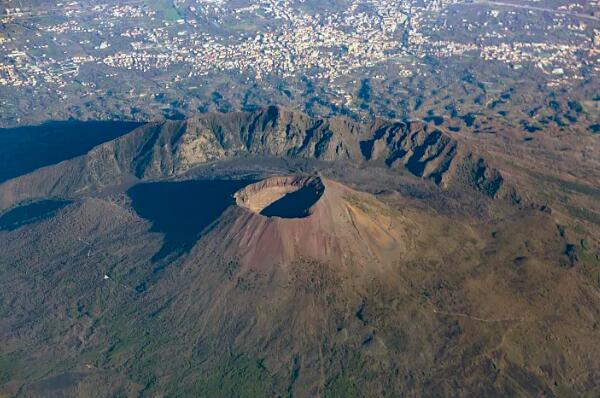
x=285, y=197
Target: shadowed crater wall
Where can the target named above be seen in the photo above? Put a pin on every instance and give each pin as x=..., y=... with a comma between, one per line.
x=285, y=197
x=295, y=204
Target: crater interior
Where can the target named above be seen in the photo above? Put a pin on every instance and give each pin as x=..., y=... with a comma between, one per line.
x=285, y=197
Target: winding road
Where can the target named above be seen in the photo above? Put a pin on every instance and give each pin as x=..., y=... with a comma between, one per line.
x=533, y=8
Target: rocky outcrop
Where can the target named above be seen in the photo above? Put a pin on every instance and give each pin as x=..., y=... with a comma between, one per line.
x=414, y=146
x=170, y=148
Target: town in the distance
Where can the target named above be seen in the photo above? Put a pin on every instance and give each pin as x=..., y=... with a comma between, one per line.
x=300, y=198
x=142, y=60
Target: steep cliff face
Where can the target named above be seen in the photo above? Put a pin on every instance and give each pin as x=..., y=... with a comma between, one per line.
x=176, y=147
x=424, y=152
x=414, y=146
x=159, y=150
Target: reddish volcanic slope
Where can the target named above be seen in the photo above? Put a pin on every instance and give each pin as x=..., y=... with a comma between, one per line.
x=326, y=221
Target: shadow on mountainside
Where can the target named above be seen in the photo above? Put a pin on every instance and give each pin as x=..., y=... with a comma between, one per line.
x=182, y=210
x=25, y=149
x=30, y=213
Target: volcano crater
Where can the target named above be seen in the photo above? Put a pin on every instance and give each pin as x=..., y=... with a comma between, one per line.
x=284, y=197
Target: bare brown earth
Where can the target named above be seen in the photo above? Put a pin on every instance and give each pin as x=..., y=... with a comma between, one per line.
x=345, y=228
x=361, y=298
x=419, y=270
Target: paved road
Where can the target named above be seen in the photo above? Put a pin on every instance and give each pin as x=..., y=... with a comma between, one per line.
x=534, y=8
x=52, y=11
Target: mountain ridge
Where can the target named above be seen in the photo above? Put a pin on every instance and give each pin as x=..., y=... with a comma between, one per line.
x=172, y=148
x=170, y=245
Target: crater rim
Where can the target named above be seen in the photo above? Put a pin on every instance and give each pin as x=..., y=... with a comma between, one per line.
x=291, y=196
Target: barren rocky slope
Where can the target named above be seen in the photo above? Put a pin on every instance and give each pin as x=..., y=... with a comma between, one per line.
x=174, y=147
x=269, y=254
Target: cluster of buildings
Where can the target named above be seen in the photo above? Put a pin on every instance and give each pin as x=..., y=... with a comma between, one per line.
x=325, y=46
